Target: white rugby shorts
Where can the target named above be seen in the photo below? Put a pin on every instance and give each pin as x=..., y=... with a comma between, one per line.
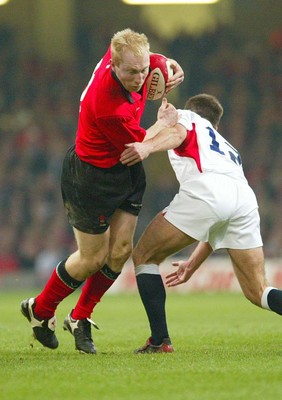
x=219, y=210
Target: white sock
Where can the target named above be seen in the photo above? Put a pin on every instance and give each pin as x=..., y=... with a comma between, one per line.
x=152, y=269
x=264, y=302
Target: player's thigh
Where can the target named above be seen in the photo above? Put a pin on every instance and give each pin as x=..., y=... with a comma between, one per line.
x=159, y=240
x=250, y=271
x=122, y=228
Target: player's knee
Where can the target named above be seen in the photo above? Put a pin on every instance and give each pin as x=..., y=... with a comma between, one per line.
x=119, y=255
x=138, y=257
x=90, y=265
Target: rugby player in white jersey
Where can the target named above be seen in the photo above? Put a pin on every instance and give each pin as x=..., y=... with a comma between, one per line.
x=215, y=206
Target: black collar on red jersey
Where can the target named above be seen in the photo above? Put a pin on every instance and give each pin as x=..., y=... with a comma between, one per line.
x=126, y=92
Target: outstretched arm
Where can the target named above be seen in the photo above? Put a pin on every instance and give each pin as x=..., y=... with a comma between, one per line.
x=165, y=134
x=187, y=268
x=167, y=138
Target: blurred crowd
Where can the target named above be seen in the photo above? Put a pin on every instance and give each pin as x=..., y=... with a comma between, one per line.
x=38, y=117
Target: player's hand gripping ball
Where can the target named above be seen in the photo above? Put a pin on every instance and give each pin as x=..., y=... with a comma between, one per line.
x=160, y=72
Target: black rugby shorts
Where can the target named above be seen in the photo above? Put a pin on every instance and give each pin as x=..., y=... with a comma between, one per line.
x=91, y=195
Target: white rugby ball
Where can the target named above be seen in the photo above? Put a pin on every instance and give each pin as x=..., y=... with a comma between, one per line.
x=160, y=72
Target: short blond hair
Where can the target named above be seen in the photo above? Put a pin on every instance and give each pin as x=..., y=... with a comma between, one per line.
x=128, y=39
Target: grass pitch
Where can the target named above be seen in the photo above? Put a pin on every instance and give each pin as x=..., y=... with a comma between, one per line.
x=226, y=349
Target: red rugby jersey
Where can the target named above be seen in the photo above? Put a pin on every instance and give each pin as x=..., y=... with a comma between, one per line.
x=109, y=117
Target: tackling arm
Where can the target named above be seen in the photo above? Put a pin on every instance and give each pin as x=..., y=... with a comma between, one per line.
x=165, y=134
x=167, y=138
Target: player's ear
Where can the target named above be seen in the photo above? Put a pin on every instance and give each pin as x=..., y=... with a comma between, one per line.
x=113, y=65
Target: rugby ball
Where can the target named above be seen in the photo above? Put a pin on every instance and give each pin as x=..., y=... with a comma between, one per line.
x=160, y=72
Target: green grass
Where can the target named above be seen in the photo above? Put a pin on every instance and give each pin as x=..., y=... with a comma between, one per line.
x=226, y=348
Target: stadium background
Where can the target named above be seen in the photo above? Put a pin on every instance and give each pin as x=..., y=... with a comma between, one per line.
x=48, y=49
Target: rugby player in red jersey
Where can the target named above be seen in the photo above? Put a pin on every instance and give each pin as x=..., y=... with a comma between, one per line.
x=102, y=197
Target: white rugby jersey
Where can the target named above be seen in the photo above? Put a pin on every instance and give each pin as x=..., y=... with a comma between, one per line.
x=203, y=151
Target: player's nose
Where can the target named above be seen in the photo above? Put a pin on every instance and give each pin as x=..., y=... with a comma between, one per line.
x=139, y=78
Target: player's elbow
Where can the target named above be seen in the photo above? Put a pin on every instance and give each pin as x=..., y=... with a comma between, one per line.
x=179, y=136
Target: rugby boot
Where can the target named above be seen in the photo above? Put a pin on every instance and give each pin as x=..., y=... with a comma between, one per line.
x=164, y=347
x=81, y=330
x=43, y=329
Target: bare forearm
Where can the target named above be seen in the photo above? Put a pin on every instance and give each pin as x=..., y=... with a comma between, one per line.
x=187, y=268
x=164, y=134
x=200, y=254
x=168, y=138
x=154, y=130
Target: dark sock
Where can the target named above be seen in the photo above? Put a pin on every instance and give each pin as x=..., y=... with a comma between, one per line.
x=153, y=296
x=274, y=300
